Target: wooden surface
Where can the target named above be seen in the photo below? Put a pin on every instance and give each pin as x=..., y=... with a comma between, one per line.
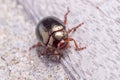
x=100, y=34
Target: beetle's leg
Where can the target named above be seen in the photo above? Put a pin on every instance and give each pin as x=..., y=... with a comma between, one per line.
x=59, y=58
x=45, y=52
x=74, y=28
x=63, y=45
x=56, y=54
x=35, y=45
x=77, y=48
x=65, y=16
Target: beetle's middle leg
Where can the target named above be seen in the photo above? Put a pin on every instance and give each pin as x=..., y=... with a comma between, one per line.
x=35, y=45
x=65, y=16
x=63, y=45
x=74, y=28
x=75, y=43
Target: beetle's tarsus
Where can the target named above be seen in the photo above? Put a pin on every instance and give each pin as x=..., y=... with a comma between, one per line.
x=79, y=49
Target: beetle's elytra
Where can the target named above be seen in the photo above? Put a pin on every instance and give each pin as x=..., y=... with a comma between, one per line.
x=53, y=35
x=50, y=31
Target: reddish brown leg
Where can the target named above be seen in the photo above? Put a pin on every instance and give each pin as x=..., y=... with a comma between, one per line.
x=77, y=48
x=65, y=16
x=63, y=45
x=74, y=28
x=35, y=45
x=58, y=55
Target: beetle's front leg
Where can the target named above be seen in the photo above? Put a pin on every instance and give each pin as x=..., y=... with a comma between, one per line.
x=74, y=28
x=65, y=16
x=77, y=48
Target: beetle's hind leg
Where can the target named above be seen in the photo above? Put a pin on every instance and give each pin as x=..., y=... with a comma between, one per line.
x=74, y=28
x=35, y=45
x=65, y=16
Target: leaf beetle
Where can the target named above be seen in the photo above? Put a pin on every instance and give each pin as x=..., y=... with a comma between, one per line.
x=53, y=35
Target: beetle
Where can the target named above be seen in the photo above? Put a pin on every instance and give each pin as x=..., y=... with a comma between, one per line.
x=53, y=35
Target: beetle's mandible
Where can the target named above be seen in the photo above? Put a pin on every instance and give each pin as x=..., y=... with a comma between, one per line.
x=53, y=35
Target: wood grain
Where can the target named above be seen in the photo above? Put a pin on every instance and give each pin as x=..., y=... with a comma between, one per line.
x=100, y=34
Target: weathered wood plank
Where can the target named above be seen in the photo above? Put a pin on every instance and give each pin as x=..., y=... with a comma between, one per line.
x=101, y=35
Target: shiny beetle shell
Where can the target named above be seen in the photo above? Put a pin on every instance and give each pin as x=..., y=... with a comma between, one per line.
x=50, y=31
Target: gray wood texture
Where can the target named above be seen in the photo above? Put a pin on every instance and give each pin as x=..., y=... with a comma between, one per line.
x=100, y=34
